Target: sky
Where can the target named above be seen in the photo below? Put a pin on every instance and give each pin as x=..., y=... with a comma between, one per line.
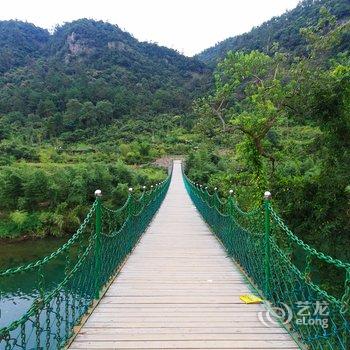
x=188, y=26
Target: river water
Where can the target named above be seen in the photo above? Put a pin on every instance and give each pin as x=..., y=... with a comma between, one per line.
x=18, y=292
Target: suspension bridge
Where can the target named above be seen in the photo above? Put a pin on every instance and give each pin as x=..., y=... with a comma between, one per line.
x=168, y=270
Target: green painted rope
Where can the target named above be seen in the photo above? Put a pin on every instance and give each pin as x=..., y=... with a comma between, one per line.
x=54, y=254
x=306, y=247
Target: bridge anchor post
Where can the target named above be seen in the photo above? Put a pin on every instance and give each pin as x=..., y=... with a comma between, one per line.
x=98, y=230
x=267, y=262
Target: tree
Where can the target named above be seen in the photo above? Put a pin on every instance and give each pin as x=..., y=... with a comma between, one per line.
x=72, y=114
x=12, y=189
x=46, y=108
x=36, y=189
x=249, y=97
x=87, y=116
x=104, y=112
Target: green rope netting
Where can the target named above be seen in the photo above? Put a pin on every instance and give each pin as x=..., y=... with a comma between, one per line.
x=283, y=269
x=82, y=267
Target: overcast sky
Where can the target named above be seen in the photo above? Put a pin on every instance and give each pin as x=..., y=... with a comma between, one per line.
x=186, y=25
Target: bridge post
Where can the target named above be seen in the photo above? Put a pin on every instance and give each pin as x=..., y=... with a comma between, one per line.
x=231, y=214
x=216, y=199
x=230, y=203
x=130, y=209
x=267, y=262
x=98, y=230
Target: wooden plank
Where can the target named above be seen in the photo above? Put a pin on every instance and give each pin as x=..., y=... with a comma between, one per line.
x=185, y=344
x=186, y=330
x=168, y=323
x=189, y=308
x=221, y=299
x=177, y=286
x=179, y=290
x=107, y=312
x=184, y=307
x=98, y=336
x=212, y=319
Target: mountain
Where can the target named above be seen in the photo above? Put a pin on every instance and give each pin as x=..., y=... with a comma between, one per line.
x=20, y=42
x=283, y=30
x=89, y=73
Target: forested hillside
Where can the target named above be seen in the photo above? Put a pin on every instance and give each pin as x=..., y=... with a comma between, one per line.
x=80, y=109
x=86, y=75
x=283, y=33
x=20, y=44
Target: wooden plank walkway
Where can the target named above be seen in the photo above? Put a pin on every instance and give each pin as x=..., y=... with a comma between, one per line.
x=178, y=290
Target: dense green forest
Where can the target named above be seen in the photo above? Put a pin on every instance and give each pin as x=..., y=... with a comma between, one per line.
x=283, y=33
x=88, y=75
x=90, y=106
x=281, y=122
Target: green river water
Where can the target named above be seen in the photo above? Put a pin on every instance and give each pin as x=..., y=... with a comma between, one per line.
x=18, y=292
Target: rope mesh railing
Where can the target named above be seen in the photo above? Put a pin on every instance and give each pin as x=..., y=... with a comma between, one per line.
x=82, y=267
x=284, y=270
